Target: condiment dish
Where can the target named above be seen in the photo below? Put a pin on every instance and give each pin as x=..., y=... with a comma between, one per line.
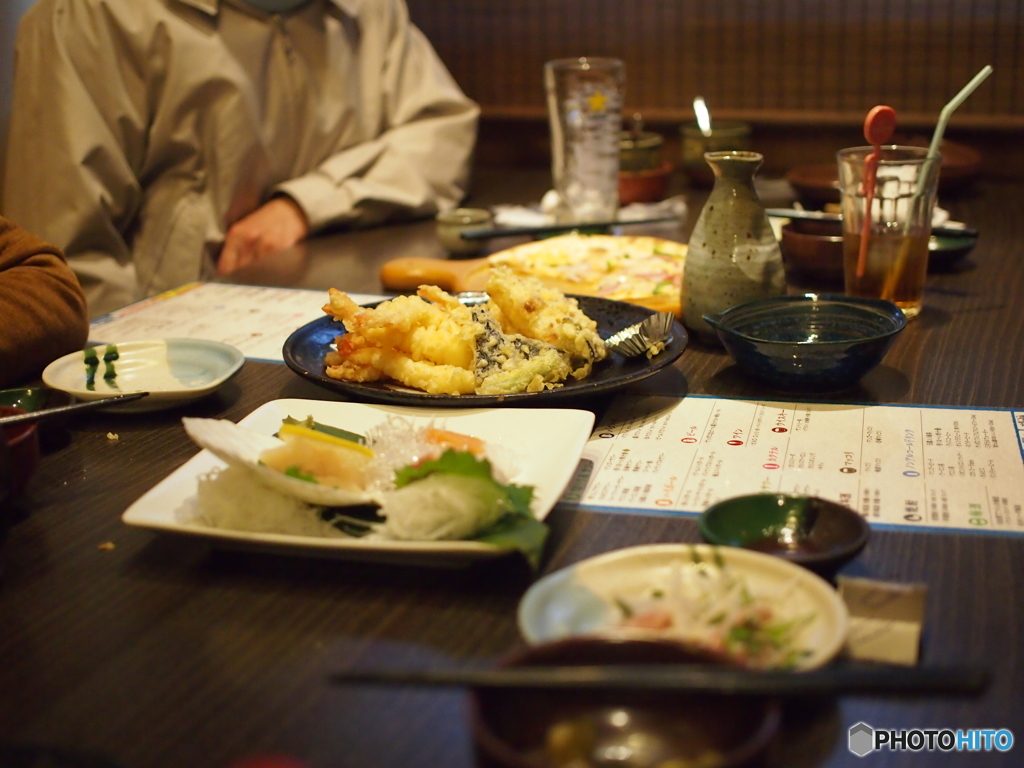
x=818, y=534
x=549, y=728
x=35, y=398
x=811, y=342
x=53, y=430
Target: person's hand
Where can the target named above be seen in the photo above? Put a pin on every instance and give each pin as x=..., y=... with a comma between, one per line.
x=276, y=225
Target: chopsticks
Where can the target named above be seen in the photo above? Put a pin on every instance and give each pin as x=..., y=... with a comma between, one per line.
x=552, y=229
x=46, y=413
x=793, y=213
x=838, y=680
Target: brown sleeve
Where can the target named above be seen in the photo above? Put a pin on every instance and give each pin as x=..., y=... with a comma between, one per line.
x=42, y=308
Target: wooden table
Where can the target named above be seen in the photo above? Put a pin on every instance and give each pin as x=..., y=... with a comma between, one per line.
x=164, y=652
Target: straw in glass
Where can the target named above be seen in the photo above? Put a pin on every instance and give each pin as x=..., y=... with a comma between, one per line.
x=932, y=157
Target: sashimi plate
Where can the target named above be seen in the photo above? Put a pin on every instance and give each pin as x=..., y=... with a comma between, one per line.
x=545, y=445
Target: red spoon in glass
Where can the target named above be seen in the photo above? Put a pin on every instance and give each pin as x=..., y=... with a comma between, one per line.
x=878, y=129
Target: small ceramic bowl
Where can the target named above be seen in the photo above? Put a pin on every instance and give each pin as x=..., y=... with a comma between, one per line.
x=644, y=186
x=34, y=398
x=22, y=450
x=548, y=728
x=811, y=342
x=54, y=429
x=813, y=250
x=818, y=534
x=451, y=224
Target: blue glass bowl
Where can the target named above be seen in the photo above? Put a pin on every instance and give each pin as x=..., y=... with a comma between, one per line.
x=809, y=343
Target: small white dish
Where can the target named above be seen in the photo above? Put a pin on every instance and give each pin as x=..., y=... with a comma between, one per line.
x=173, y=371
x=546, y=445
x=584, y=598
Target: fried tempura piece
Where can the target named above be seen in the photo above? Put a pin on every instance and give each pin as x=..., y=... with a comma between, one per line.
x=530, y=309
x=421, y=374
x=508, y=363
x=413, y=341
x=340, y=305
x=419, y=329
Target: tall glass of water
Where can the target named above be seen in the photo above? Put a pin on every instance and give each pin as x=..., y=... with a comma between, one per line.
x=585, y=98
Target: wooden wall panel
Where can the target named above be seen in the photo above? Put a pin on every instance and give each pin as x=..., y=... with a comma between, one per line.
x=788, y=61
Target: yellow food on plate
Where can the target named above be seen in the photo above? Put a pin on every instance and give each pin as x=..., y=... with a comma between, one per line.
x=641, y=270
x=320, y=458
x=527, y=338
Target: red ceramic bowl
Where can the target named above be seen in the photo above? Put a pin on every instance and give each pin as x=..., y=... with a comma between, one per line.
x=538, y=728
x=648, y=186
x=22, y=450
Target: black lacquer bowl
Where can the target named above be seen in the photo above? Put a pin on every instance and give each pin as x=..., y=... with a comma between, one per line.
x=808, y=343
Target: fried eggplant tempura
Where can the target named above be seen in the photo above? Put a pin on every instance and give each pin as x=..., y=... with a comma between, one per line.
x=546, y=314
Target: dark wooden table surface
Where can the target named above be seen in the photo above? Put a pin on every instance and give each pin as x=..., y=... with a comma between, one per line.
x=163, y=652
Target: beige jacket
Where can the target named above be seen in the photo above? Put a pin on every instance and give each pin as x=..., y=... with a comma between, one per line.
x=142, y=129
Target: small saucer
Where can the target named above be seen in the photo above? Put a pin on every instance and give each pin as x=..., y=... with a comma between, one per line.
x=173, y=371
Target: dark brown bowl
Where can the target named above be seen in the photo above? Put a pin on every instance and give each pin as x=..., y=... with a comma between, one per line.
x=813, y=250
x=22, y=451
x=534, y=728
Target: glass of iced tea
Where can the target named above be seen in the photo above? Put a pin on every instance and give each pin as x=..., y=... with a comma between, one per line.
x=888, y=257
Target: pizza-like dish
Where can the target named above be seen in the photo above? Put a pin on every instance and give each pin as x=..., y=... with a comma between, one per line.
x=638, y=269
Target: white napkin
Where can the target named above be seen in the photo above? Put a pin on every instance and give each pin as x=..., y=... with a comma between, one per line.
x=543, y=214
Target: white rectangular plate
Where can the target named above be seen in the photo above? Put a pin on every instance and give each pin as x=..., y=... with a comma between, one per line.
x=547, y=444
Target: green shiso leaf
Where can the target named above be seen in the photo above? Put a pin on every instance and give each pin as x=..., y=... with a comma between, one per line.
x=298, y=474
x=451, y=462
x=464, y=463
x=519, y=532
x=516, y=530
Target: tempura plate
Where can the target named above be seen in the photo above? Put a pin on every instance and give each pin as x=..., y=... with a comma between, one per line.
x=305, y=349
x=545, y=444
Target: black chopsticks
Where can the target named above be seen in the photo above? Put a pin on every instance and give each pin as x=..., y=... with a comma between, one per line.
x=48, y=413
x=553, y=229
x=793, y=213
x=872, y=680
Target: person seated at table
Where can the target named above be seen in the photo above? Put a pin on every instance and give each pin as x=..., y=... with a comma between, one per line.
x=160, y=141
x=42, y=308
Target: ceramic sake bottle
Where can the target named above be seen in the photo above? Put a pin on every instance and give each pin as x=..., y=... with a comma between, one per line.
x=733, y=255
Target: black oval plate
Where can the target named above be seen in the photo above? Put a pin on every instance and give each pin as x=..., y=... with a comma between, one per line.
x=305, y=349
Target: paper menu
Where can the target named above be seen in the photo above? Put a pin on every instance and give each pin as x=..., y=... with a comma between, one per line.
x=917, y=466
x=255, y=319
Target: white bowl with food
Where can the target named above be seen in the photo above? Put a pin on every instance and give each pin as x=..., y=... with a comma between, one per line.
x=756, y=609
